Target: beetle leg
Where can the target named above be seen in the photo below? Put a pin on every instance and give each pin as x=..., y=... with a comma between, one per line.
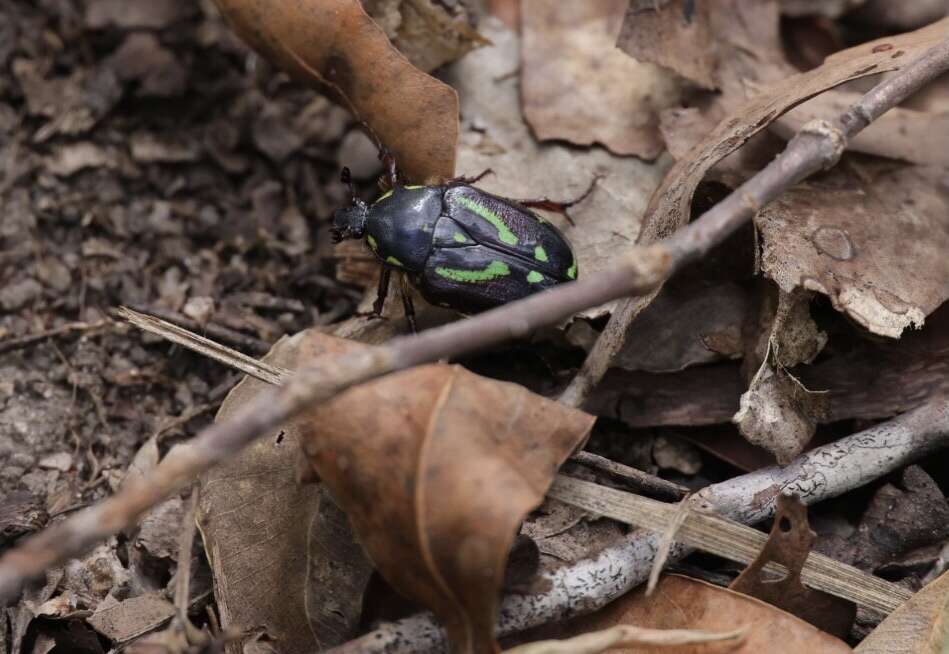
x=381, y=292
x=560, y=207
x=460, y=181
x=391, y=170
x=407, y=304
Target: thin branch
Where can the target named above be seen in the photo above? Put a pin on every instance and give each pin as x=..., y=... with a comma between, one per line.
x=20, y=342
x=638, y=480
x=605, y=350
x=641, y=271
x=588, y=585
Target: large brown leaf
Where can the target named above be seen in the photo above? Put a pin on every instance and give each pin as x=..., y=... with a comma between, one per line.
x=335, y=44
x=436, y=468
x=576, y=86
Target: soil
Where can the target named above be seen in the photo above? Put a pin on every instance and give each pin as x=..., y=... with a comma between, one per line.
x=149, y=159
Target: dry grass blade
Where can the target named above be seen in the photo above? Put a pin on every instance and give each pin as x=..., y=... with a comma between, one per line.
x=257, y=369
x=728, y=539
x=628, y=636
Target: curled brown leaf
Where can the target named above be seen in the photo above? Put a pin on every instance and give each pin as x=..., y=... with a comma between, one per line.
x=436, y=468
x=336, y=45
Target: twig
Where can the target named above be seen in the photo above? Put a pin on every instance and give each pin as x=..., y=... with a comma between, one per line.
x=632, y=478
x=215, y=331
x=626, y=636
x=639, y=272
x=820, y=474
x=21, y=342
x=605, y=350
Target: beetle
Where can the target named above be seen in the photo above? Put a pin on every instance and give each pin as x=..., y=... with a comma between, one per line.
x=462, y=248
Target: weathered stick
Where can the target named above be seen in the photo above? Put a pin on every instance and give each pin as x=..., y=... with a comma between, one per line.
x=20, y=342
x=642, y=270
x=820, y=474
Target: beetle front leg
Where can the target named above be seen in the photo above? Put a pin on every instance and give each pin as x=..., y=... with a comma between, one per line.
x=407, y=306
x=391, y=170
x=382, y=291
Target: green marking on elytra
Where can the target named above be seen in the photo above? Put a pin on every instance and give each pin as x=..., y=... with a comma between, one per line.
x=494, y=270
x=540, y=253
x=394, y=261
x=383, y=196
x=534, y=277
x=412, y=188
x=372, y=243
x=504, y=232
x=460, y=238
x=572, y=270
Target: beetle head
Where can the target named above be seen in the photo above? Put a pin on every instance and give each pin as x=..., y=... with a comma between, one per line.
x=350, y=222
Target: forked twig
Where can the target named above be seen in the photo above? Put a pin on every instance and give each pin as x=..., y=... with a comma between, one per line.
x=818, y=145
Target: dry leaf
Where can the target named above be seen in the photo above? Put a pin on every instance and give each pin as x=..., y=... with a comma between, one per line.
x=684, y=603
x=669, y=208
x=920, y=626
x=684, y=326
x=872, y=236
x=130, y=618
x=436, y=468
x=426, y=32
x=494, y=135
x=335, y=44
x=827, y=8
x=338, y=571
x=902, y=516
x=778, y=412
x=900, y=133
x=255, y=520
x=789, y=545
x=724, y=44
x=868, y=379
x=674, y=34
x=577, y=87
x=889, y=15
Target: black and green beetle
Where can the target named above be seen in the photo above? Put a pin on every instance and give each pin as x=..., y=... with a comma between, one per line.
x=461, y=247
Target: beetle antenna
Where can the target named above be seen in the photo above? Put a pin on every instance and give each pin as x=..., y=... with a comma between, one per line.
x=346, y=177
